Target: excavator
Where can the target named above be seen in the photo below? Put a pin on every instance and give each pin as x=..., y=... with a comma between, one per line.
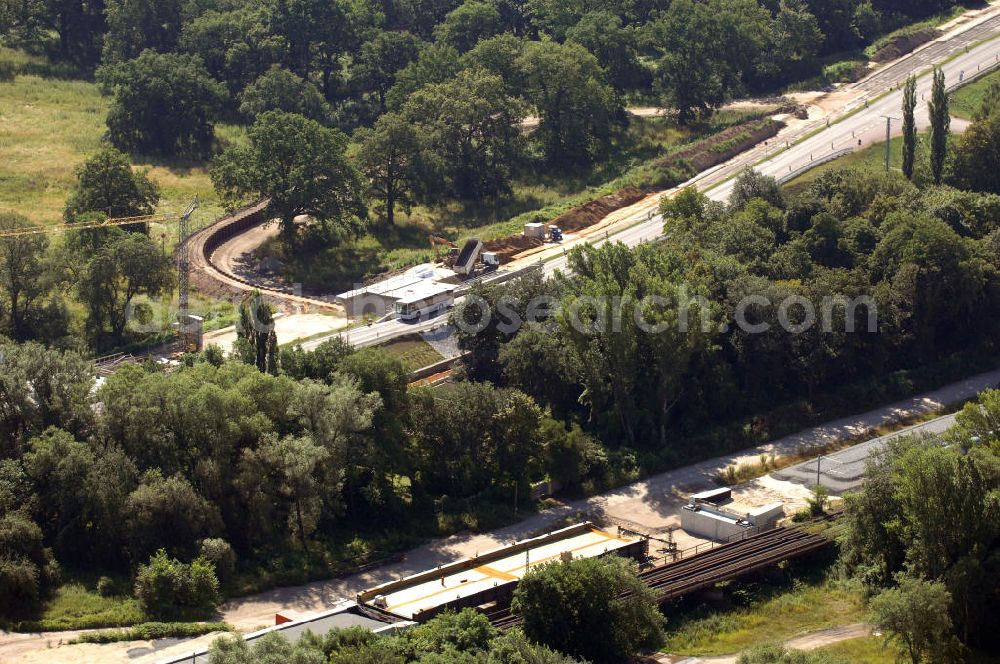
x=440, y=242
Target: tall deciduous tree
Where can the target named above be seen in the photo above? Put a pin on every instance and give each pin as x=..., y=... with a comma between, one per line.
x=128, y=266
x=940, y=125
x=909, y=126
x=690, y=75
x=605, y=613
x=23, y=277
x=380, y=59
x=977, y=156
x=472, y=129
x=107, y=183
x=467, y=24
x=392, y=156
x=567, y=89
x=164, y=103
x=915, y=616
x=256, y=341
x=300, y=167
x=278, y=89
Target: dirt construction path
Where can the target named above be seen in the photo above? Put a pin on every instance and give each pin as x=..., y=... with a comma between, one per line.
x=810, y=641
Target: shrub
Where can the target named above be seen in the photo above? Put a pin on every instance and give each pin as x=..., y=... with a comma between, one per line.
x=7, y=71
x=106, y=587
x=152, y=630
x=169, y=589
x=218, y=552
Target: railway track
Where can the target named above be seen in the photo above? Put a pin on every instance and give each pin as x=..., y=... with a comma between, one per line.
x=702, y=570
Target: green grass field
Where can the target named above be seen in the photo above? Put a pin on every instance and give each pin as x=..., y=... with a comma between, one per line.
x=50, y=125
x=965, y=101
x=804, y=607
x=871, y=157
x=866, y=650
x=413, y=352
x=76, y=606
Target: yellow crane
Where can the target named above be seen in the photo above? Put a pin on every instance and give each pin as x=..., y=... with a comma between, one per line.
x=189, y=336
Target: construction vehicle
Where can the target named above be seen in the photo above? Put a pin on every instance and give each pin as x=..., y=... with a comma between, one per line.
x=467, y=259
x=555, y=234
x=439, y=242
x=189, y=327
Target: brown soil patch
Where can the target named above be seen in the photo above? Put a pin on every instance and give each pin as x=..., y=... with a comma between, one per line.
x=902, y=44
x=723, y=146
x=579, y=218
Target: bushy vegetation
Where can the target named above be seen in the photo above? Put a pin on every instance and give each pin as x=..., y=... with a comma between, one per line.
x=152, y=630
x=450, y=637
x=922, y=537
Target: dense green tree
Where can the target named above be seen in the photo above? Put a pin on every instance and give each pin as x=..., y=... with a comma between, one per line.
x=472, y=437
x=287, y=479
x=512, y=647
x=107, y=183
x=278, y=89
x=392, y=157
x=317, y=364
x=129, y=266
x=940, y=125
x=380, y=60
x=436, y=63
x=492, y=316
x=499, y=55
x=168, y=589
x=537, y=362
x=909, y=126
x=27, y=570
x=319, y=33
x=164, y=103
x=467, y=24
x=976, y=156
x=915, y=616
x=167, y=512
x=554, y=17
x=688, y=35
x=236, y=46
x=42, y=388
x=606, y=614
x=24, y=278
x=472, y=129
x=751, y=184
x=797, y=34
x=568, y=92
x=137, y=25
x=300, y=167
x=615, y=45
x=978, y=423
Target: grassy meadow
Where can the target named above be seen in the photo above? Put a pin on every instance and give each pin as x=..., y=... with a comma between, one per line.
x=50, y=123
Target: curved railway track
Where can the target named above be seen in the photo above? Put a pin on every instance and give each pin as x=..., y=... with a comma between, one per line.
x=722, y=563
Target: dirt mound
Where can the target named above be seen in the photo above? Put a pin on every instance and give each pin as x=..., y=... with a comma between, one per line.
x=579, y=218
x=511, y=246
x=723, y=146
x=590, y=213
x=902, y=44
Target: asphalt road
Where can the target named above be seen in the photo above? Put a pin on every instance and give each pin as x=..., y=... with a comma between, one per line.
x=845, y=470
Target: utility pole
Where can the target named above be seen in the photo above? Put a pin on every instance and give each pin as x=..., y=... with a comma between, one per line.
x=888, y=139
x=819, y=460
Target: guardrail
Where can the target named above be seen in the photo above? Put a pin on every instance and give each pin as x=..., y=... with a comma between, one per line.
x=787, y=177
